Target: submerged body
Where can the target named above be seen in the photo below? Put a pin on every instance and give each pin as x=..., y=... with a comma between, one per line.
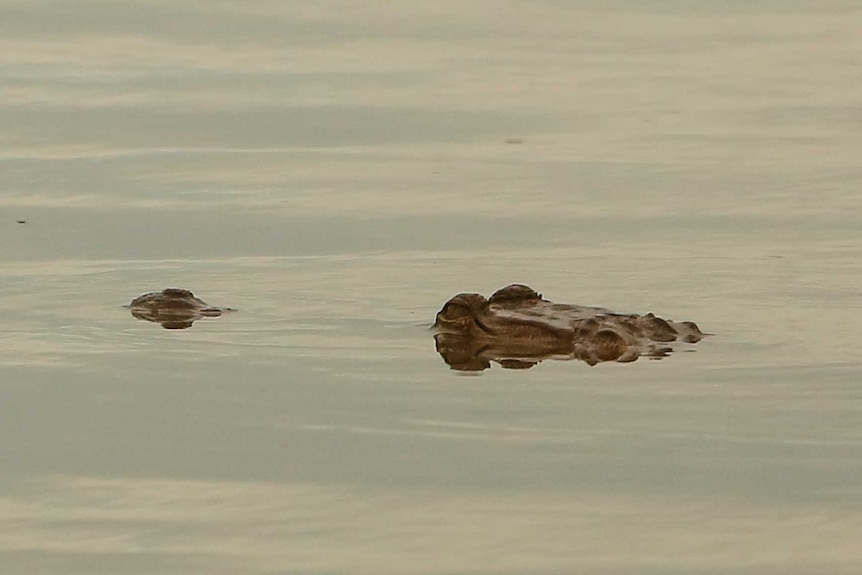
x=173, y=308
x=517, y=328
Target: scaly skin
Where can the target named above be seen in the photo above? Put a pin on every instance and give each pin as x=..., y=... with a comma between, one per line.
x=173, y=308
x=517, y=328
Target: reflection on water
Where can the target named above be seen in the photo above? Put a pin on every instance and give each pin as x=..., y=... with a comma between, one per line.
x=173, y=308
x=337, y=170
x=469, y=354
x=517, y=328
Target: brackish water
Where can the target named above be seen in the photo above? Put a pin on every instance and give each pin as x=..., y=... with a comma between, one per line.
x=336, y=172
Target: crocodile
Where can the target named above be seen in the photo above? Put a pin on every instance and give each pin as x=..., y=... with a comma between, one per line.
x=517, y=328
x=173, y=308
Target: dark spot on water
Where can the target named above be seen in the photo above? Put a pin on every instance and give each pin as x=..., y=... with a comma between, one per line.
x=514, y=141
x=21, y=221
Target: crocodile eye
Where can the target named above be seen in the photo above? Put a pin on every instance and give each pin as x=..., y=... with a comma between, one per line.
x=455, y=311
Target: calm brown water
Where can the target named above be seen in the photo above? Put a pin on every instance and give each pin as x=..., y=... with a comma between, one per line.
x=336, y=173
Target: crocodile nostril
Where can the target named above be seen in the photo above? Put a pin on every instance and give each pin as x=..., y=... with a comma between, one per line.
x=455, y=311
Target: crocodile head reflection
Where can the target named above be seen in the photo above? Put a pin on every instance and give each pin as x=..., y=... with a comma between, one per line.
x=516, y=328
x=173, y=308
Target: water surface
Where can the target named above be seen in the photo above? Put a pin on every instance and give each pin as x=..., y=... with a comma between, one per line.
x=336, y=173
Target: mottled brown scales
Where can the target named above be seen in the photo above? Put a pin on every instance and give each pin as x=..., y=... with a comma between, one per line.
x=517, y=328
x=173, y=308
